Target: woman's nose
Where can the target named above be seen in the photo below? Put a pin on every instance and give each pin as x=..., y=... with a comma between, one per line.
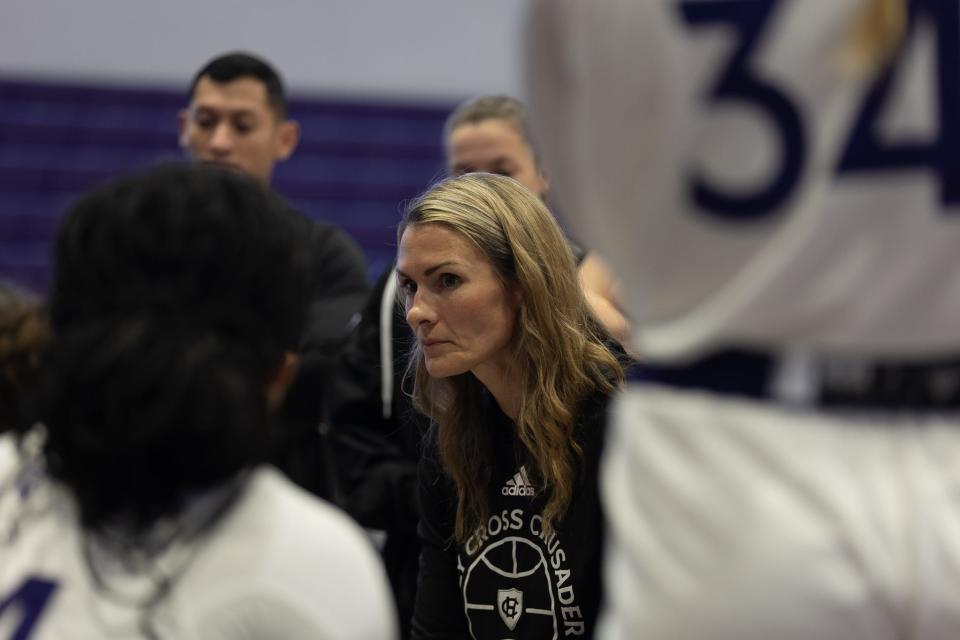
x=420, y=311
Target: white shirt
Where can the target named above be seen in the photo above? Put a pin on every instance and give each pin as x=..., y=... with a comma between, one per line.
x=856, y=245
x=279, y=564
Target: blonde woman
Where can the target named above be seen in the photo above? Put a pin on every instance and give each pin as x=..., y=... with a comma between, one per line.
x=515, y=375
x=778, y=182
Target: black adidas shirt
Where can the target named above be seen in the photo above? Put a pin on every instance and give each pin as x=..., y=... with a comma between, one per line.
x=510, y=580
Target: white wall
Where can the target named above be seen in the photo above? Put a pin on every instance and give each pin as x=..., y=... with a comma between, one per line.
x=397, y=49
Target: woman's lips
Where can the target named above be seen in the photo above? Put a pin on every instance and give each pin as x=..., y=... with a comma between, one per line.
x=432, y=345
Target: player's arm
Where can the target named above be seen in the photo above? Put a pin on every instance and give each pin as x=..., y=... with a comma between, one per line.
x=600, y=286
x=626, y=132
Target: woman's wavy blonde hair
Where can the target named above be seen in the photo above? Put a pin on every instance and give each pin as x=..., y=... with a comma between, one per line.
x=559, y=353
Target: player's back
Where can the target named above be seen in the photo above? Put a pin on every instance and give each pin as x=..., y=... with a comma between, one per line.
x=778, y=195
x=278, y=564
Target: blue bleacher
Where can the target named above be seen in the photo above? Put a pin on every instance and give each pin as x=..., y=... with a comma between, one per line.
x=356, y=165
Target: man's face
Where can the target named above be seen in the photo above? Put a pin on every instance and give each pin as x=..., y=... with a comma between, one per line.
x=232, y=125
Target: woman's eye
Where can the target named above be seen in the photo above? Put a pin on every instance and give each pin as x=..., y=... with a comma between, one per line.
x=408, y=287
x=449, y=280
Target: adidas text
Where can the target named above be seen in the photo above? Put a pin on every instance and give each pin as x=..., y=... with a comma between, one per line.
x=519, y=485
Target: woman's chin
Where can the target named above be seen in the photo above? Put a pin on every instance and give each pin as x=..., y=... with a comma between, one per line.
x=437, y=368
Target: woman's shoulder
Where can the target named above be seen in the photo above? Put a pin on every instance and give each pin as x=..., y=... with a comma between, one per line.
x=595, y=403
x=591, y=419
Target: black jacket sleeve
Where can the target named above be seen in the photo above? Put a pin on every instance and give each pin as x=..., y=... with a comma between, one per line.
x=438, y=612
x=338, y=288
x=337, y=280
x=377, y=454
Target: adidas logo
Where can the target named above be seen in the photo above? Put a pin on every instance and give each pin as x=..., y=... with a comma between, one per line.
x=519, y=485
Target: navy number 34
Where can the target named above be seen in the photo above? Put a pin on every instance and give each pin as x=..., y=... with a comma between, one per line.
x=864, y=150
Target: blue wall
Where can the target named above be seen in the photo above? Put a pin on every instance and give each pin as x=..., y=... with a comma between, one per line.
x=358, y=161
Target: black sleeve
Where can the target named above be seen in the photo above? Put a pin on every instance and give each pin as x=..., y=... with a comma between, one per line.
x=438, y=612
x=376, y=454
x=356, y=388
x=336, y=278
x=338, y=286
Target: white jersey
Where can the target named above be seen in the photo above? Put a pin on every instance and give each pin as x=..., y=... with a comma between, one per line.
x=748, y=187
x=279, y=564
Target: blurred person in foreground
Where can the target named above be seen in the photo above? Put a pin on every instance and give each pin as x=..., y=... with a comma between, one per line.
x=515, y=375
x=778, y=183
x=148, y=511
x=24, y=336
x=237, y=119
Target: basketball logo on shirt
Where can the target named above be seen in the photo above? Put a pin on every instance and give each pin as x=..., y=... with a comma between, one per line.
x=510, y=606
x=521, y=567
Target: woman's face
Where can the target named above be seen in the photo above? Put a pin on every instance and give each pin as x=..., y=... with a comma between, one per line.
x=462, y=314
x=494, y=146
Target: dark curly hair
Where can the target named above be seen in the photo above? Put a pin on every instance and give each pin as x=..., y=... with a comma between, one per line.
x=23, y=339
x=175, y=295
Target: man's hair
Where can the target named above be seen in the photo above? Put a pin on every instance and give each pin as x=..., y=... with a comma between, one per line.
x=235, y=65
x=175, y=295
x=558, y=350
x=483, y=108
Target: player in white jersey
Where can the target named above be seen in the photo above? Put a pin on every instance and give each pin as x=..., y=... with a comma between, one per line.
x=778, y=183
x=141, y=508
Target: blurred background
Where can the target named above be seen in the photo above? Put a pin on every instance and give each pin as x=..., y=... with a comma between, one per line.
x=91, y=89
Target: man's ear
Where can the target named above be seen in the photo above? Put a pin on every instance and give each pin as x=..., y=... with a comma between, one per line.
x=182, y=137
x=288, y=137
x=281, y=380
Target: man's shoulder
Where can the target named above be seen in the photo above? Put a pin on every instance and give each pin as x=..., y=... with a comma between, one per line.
x=332, y=248
x=315, y=226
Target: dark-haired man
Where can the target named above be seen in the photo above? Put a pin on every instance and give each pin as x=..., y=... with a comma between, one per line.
x=237, y=119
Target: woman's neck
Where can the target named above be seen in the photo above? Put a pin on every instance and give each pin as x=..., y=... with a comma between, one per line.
x=501, y=380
